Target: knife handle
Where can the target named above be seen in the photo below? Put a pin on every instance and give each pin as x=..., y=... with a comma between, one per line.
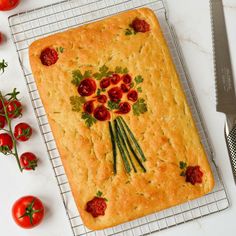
x=231, y=144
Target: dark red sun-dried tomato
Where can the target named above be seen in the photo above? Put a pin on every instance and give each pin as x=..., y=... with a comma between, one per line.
x=125, y=88
x=49, y=56
x=127, y=79
x=132, y=95
x=88, y=107
x=102, y=98
x=124, y=108
x=140, y=25
x=115, y=94
x=97, y=206
x=104, y=83
x=115, y=79
x=87, y=87
x=193, y=174
x=101, y=113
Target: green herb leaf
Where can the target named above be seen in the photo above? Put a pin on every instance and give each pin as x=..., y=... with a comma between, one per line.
x=139, y=89
x=60, y=49
x=138, y=79
x=99, y=92
x=182, y=165
x=99, y=194
x=76, y=103
x=89, y=120
x=3, y=65
x=139, y=107
x=131, y=85
x=78, y=76
x=128, y=31
x=113, y=105
x=120, y=70
x=103, y=72
x=182, y=173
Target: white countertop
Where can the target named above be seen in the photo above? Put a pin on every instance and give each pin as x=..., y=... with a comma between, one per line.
x=192, y=23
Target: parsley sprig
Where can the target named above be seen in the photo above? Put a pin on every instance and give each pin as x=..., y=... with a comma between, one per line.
x=183, y=167
x=103, y=72
x=78, y=76
x=120, y=70
x=60, y=49
x=139, y=107
x=89, y=120
x=113, y=105
x=130, y=31
x=76, y=103
x=3, y=65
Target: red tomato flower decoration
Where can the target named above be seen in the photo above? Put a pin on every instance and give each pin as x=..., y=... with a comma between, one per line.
x=115, y=94
x=96, y=207
x=132, y=95
x=88, y=107
x=49, y=56
x=101, y=113
x=87, y=87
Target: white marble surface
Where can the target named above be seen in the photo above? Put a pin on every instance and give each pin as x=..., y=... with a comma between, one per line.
x=191, y=20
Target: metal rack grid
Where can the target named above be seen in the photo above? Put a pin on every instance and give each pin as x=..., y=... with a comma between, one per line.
x=28, y=26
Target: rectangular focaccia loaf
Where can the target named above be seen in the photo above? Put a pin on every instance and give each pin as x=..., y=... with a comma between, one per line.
x=134, y=150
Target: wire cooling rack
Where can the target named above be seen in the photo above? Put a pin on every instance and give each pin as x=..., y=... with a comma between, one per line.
x=28, y=26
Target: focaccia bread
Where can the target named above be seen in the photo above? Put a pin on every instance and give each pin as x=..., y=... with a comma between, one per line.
x=120, y=118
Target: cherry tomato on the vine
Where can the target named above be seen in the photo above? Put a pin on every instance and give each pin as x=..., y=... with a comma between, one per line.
x=2, y=121
x=28, y=161
x=22, y=132
x=6, y=5
x=1, y=37
x=6, y=143
x=13, y=108
x=28, y=212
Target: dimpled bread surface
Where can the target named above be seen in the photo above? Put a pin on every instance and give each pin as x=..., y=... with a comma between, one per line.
x=166, y=132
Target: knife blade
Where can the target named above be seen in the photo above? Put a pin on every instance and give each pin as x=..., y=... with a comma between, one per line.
x=225, y=90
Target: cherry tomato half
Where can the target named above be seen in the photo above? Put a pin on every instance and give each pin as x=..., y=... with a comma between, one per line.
x=22, y=132
x=6, y=5
x=28, y=212
x=28, y=161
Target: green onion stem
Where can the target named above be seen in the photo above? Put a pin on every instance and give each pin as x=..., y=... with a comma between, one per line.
x=113, y=147
x=133, y=139
x=130, y=146
x=125, y=161
x=125, y=146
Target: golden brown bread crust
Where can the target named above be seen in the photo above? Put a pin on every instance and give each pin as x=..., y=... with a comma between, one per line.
x=166, y=132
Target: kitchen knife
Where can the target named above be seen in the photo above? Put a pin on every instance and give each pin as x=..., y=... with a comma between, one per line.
x=225, y=91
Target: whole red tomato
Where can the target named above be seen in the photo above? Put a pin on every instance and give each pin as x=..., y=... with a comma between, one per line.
x=22, y=132
x=28, y=161
x=6, y=5
x=28, y=212
x=2, y=121
x=6, y=142
x=13, y=108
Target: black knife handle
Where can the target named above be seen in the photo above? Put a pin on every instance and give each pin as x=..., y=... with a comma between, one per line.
x=231, y=144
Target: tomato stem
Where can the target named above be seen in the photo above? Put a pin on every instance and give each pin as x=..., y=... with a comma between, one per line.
x=15, y=153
